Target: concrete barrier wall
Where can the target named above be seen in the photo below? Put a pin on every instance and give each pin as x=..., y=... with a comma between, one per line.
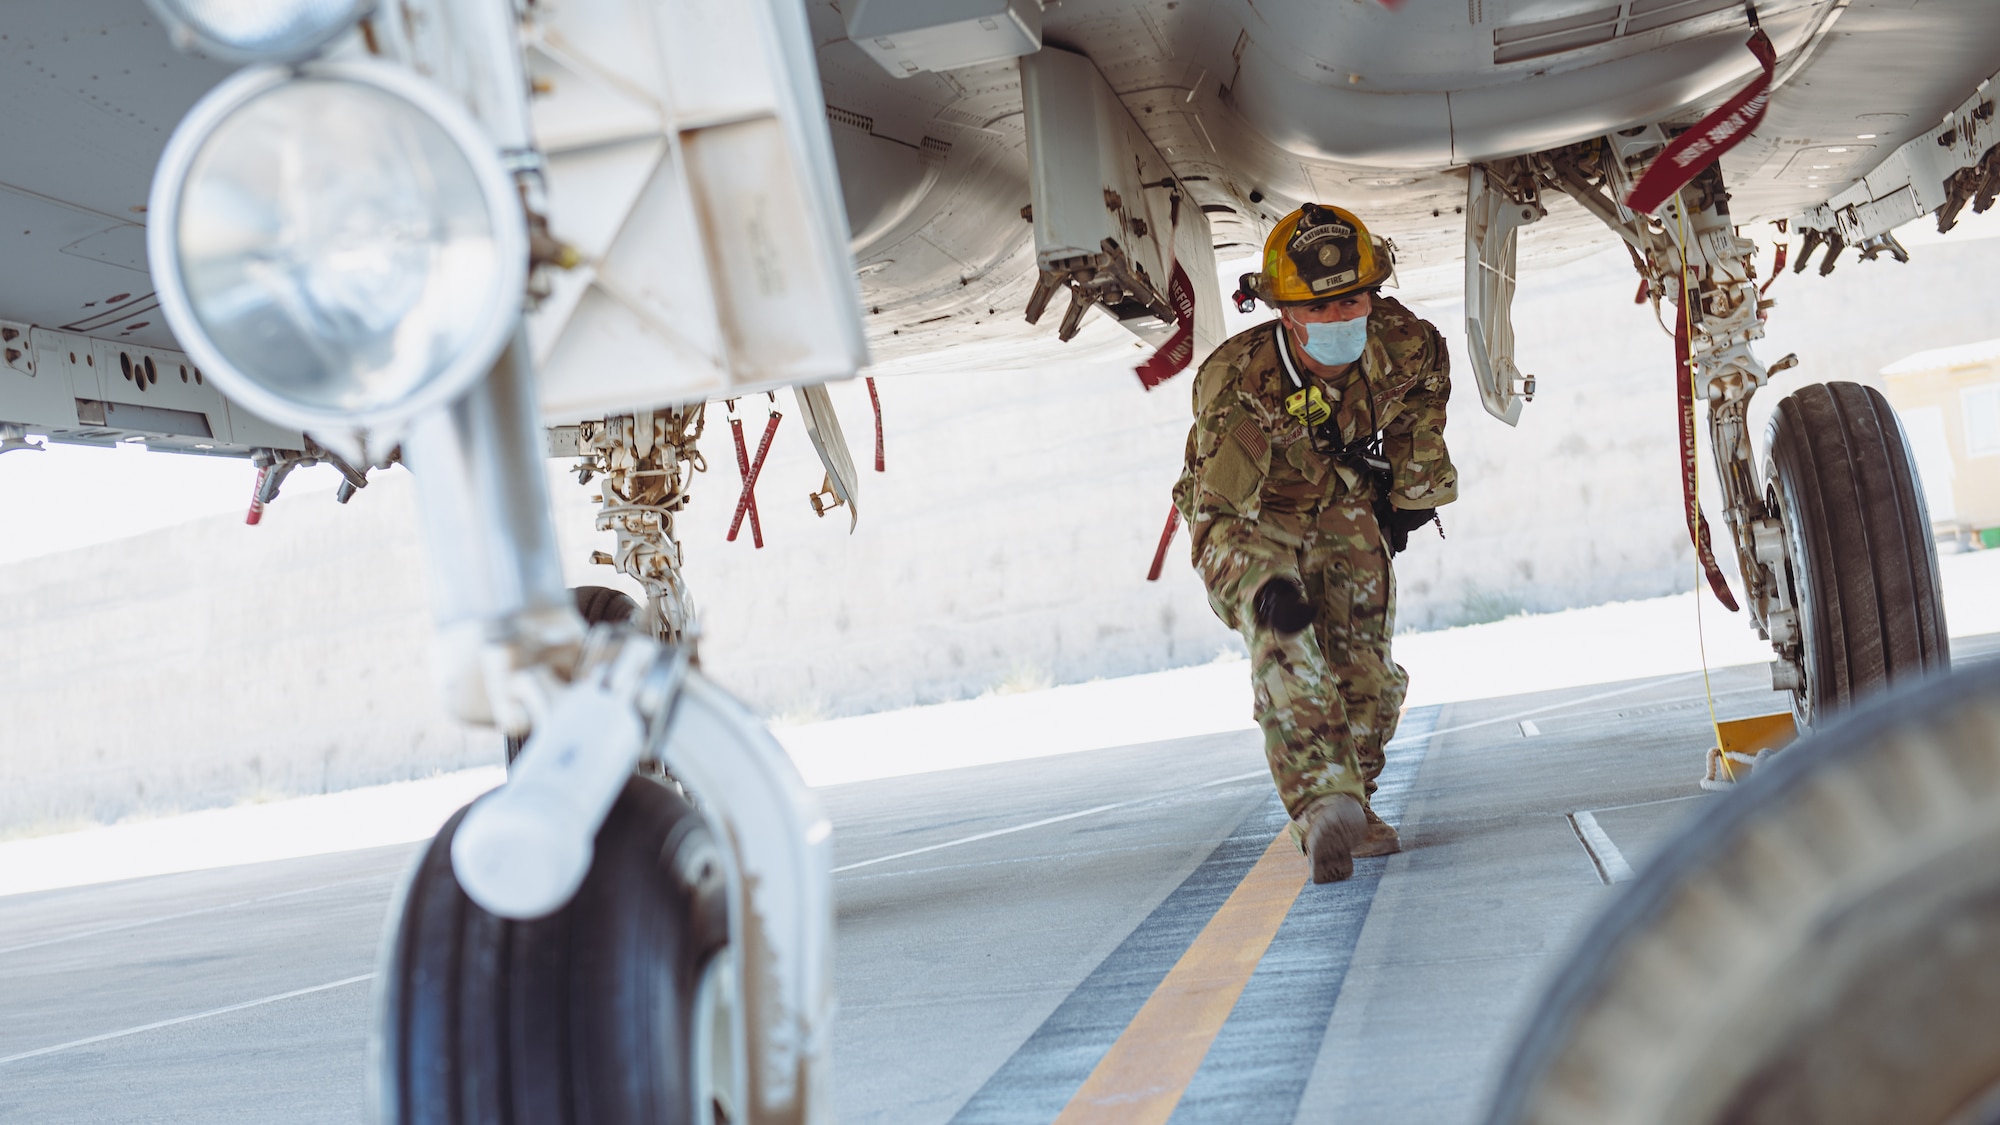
x=213, y=662
x=1005, y=548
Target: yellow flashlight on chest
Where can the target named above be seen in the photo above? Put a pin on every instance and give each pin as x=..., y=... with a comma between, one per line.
x=1309, y=406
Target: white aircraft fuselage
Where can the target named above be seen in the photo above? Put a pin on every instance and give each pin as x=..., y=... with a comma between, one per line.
x=1256, y=107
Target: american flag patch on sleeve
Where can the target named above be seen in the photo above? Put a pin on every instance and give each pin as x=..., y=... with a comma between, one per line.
x=1250, y=436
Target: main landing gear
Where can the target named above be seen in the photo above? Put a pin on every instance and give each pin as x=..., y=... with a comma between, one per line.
x=1822, y=947
x=1833, y=542
x=1859, y=566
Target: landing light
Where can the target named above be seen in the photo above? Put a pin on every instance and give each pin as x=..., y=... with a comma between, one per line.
x=1866, y=136
x=337, y=245
x=259, y=30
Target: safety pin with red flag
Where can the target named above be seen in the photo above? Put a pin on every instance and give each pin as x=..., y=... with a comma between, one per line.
x=1712, y=136
x=1174, y=355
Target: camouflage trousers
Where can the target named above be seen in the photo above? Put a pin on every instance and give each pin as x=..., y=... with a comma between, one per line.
x=1329, y=698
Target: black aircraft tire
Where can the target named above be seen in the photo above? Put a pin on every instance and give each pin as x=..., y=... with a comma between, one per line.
x=602, y=605
x=1822, y=946
x=1864, y=573
x=584, y=1017
x=599, y=605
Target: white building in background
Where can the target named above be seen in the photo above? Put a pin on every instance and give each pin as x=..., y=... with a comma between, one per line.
x=1949, y=399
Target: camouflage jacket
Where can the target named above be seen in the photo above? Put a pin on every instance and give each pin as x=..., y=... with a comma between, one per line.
x=1250, y=462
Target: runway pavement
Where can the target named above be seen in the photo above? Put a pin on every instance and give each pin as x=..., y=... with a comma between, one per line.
x=1097, y=936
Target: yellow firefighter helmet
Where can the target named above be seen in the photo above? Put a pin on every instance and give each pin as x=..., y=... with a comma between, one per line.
x=1318, y=252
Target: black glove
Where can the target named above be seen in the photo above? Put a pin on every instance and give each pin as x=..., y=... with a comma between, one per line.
x=1399, y=522
x=1281, y=605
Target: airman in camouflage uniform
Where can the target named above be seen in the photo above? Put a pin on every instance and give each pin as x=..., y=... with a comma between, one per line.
x=1270, y=498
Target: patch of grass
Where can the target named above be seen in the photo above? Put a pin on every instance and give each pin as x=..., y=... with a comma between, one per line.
x=1024, y=678
x=50, y=826
x=799, y=712
x=1480, y=606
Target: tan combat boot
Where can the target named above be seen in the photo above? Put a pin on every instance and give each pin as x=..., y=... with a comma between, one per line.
x=1379, y=840
x=1334, y=827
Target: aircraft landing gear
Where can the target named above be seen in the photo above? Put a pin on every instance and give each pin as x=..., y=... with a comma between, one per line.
x=581, y=945
x=1859, y=570
x=641, y=462
x=563, y=905
x=1833, y=542
x=615, y=1008
x=1823, y=947
x=597, y=605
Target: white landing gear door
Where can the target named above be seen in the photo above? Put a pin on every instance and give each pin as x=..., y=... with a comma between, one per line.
x=690, y=169
x=778, y=843
x=823, y=427
x=1492, y=218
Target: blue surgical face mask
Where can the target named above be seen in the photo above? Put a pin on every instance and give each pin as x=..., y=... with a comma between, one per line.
x=1336, y=342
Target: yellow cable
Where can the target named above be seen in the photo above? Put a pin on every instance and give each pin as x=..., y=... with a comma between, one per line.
x=1708, y=689
x=1700, y=575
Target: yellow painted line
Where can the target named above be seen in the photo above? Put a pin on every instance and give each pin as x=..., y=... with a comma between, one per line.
x=1142, y=1077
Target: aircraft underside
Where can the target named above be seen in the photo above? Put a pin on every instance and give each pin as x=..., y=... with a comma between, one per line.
x=698, y=200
